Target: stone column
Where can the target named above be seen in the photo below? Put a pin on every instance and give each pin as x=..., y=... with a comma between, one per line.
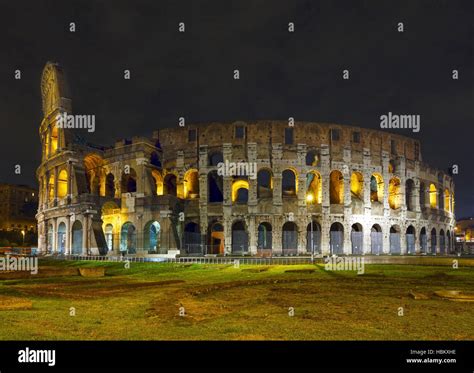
x=325, y=206
x=252, y=233
x=277, y=153
x=367, y=174
x=252, y=160
x=277, y=224
x=386, y=181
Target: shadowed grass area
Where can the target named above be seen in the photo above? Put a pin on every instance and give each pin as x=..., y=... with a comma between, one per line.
x=221, y=302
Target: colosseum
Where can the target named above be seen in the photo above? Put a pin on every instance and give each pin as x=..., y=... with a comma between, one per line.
x=263, y=188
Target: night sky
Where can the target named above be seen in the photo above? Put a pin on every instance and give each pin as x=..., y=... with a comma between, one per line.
x=282, y=74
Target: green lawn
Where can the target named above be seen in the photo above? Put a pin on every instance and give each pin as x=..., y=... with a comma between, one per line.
x=251, y=302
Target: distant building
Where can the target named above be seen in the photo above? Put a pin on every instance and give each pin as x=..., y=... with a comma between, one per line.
x=18, y=206
x=464, y=233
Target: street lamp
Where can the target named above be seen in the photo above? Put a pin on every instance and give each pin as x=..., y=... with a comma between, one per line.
x=23, y=234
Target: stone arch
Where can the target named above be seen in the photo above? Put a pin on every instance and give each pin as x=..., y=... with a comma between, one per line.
x=240, y=190
x=264, y=239
x=433, y=196
x=312, y=158
x=215, y=158
x=61, y=246
x=411, y=239
x=128, y=238
x=216, y=238
x=62, y=184
x=410, y=199
x=129, y=181
x=313, y=237
x=110, y=185
x=51, y=188
x=109, y=236
x=289, y=238
x=239, y=237
x=423, y=241
x=192, y=238
x=264, y=183
x=170, y=184
x=155, y=159
x=357, y=186
x=357, y=239
x=394, y=193
x=152, y=236
x=93, y=165
x=289, y=186
x=336, y=187
x=314, y=187
x=395, y=246
x=191, y=184
x=158, y=182
x=442, y=242
x=376, y=240
x=76, y=232
x=447, y=200
x=336, y=238
x=214, y=187
x=376, y=188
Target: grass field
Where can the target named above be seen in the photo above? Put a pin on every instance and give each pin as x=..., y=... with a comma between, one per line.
x=225, y=303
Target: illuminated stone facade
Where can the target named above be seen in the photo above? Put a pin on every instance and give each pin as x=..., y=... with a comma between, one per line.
x=321, y=188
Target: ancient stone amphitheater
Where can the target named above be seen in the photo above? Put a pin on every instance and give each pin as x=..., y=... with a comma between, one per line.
x=287, y=189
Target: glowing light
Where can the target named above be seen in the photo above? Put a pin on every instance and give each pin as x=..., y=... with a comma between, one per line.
x=309, y=198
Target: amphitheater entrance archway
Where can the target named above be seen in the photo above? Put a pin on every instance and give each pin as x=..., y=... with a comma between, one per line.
x=61, y=238
x=336, y=239
x=395, y=247
x=410, y=237
x=77, y=238
x=442, y=242
x=313, y=238
x=216, y=239
x=240, y=238
x=423, y=241
x=357, y=239
x=152, y=236
x=376, y=240
x=264, y=240
x=290, y=238
x=128, y=238
x=192, y=239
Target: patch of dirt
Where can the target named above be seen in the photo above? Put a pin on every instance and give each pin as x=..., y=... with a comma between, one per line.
x=92, y=271
x=256, y=270
x=235, y=284
x=302, y=270
x=8, y=303
x=42, y=272
x=64, y=291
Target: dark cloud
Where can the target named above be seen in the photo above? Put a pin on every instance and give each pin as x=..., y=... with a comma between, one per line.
x=282, y=74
